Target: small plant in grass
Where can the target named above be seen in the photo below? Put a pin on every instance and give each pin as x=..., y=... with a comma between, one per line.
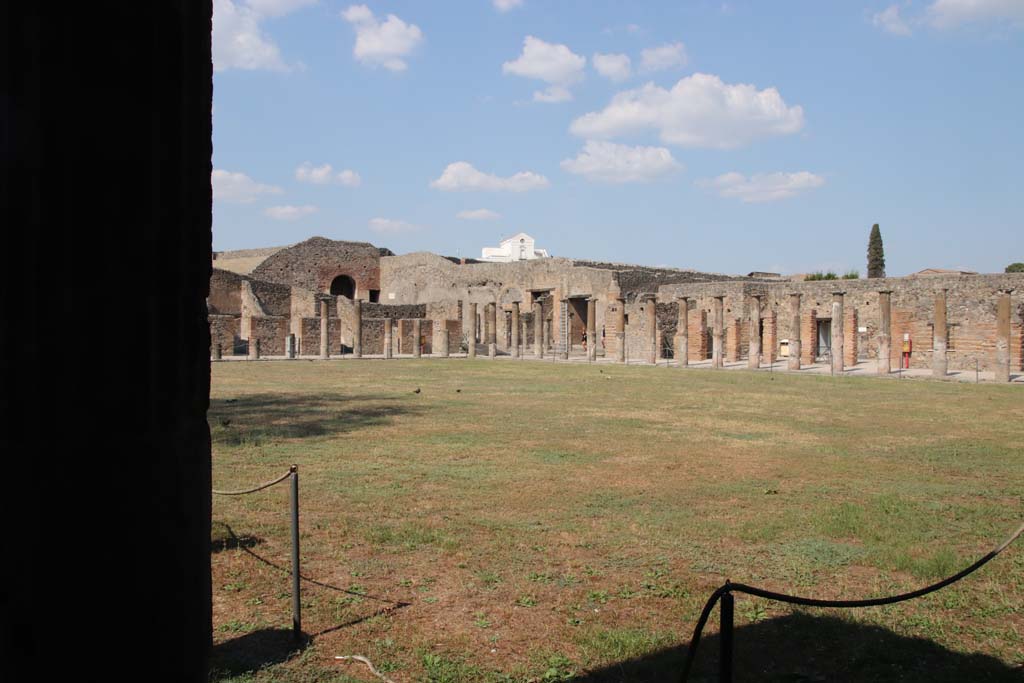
x=755, y=612
x=541, y=577
x=489, y=579
x=481, y=620
x=526, y=601
x=598, y=597
x=560, y=668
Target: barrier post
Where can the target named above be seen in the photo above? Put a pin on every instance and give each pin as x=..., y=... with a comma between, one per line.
x=725, y=610
x=296, y=596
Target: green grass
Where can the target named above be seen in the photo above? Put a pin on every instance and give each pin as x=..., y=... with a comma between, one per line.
x=584, y=513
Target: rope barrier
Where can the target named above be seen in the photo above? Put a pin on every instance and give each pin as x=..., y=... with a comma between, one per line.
x=260, y=487
x=841, y=604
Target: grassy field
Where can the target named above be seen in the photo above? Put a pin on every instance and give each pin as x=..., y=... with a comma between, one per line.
x=540, y=522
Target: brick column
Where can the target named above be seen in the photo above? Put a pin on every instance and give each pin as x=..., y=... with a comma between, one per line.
x=417, y=330
x=254, y=347
x=388, y=337
x=732, y=340
x=683, y=333
x=717, y=322
x=325, y=331
x=794, y=332
x=538, y=329
x=564, y=342
x=218, y=351
x=492, y=332
x=754, y=347
x=651, y=314
x=1003, y=336
x=470, y=317
x=592, y=328
x=838, y=338
x=698, y=333
x=617, y=313
x=809, y=332
x=357, y=326
x=884, y=332
x=851, y=325
x=940, y=336
x=515, y=329
x=771, y=337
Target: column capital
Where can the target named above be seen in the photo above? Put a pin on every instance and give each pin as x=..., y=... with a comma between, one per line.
x=885, y=291
x=838, y=293
x=1006, y=290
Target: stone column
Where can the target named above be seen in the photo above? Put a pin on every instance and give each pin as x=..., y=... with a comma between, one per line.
x=617, y=306
x=1003, y=336
x=592, y=329
x=218, y=351
x=838, y=337
x=771, y=338
x=289, y=346
x=683, y=332
x=254, y=348
x=940, y=336
x=651, y=313
x=417, y=330
x=357, y=327
x=565, y=341
x=794, y=331
x=538, y=329
x=492, y=330
x=515, y=329
x=754, y=348
x=546, y=332
x=717, y=322
x=470, y=317
x=442, y=342
x=884, y=332
x=389, y=325
x=325, y=331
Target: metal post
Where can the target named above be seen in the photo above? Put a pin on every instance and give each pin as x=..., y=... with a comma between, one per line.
x=296, y=596
x=725, y=635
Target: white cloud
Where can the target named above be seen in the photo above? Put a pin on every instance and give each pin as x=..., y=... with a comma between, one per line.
x=699, y=111
x=462, y=176
x=278, y=8
x=478, y=215
x=289, y=213
x=890, y=21
x=238, y=187
x=506, y=5
x=615, y=67
x=762, y=187
x=946, y=14
x=609, y=162
x=554, y=64
x=325, y=175
x=391, y=226
x=238, y=42
x=663, y=57
x=382, y=44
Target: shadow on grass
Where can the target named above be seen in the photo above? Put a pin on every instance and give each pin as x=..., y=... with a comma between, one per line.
x=254, y=418
x=253, y=651
x=803, y=647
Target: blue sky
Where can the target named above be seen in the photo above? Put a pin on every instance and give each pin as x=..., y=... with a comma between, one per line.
x=721, y=136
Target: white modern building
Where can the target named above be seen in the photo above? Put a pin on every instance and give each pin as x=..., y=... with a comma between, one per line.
x=518, y=247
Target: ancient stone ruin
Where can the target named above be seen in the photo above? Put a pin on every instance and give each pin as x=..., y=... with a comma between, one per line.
x=324, y=298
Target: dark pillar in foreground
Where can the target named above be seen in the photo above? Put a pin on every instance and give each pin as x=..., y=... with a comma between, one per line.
x=107, y=109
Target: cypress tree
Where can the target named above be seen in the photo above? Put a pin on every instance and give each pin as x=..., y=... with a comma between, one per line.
x=876, y=254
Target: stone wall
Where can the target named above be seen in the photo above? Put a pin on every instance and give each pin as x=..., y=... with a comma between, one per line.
x=270, y=332
x=314, y=264
x=224, y=330
x=971, y=306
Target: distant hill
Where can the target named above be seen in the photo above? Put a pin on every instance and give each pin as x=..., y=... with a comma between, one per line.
x=243, y=261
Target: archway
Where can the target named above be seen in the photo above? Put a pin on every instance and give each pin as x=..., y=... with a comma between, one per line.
x=343, y=285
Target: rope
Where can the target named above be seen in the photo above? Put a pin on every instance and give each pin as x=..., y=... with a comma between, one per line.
x=367, y=662
x=260, y=487
x=842, y=604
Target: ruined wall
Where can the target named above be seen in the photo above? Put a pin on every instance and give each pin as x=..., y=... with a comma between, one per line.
x=314, y=264
x=224, y=330
x=309, y=336
x=971, y=310
x=271, y=333
x=225, y=288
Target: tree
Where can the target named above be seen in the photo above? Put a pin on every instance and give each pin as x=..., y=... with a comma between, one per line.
x=1015, y=268
x=876, y=254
